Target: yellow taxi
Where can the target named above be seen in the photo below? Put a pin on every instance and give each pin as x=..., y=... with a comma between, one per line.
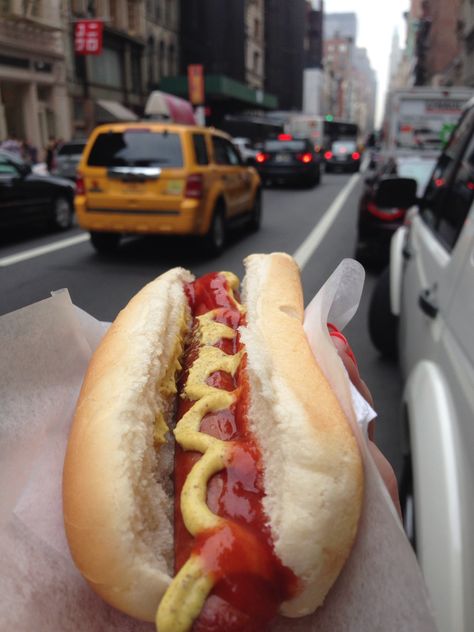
x=163, y=178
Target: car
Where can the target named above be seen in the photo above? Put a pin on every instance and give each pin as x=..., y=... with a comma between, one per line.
x=376, y=226
x=27, y=198
x=67, y=157
x=287, y=159
x=423, y=306
x=342, y=155
x=163, y=178
x=247, y=150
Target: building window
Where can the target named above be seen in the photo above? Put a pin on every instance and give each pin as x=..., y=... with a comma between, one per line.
x=132, y=17
x=162, y=59
x=171, y=60
x=169, y=17
x=136, y=68
x=256, y=62
x=107, y=69
x=113, y=13
x=151, y=56
x=256, y=29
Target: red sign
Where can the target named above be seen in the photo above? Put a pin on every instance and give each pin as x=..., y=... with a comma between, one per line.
x=88, y=37
x=196, y=84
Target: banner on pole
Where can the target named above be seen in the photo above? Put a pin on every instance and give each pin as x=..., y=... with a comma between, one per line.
x=88, y=35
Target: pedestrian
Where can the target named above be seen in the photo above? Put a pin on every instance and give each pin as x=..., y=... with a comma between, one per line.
x=50, y=151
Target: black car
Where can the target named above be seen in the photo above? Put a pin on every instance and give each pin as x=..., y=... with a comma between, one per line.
x=28, y=198
x=376, y=225
x=288, y=160
x=343, y=155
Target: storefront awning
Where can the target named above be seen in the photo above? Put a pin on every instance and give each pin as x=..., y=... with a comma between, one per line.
x=221, y=87
x=112, y=111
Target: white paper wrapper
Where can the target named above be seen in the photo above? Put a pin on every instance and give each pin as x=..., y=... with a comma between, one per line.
x=45, y=349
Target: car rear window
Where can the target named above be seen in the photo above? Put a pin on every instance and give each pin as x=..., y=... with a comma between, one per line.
x=136, y=148
x=71, y=149
x=285, y=145
x=342, y=147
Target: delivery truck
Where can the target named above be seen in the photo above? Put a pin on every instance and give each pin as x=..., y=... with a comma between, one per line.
x=423, y=117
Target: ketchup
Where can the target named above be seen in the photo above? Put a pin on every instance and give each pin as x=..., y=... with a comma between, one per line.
x=251, y=582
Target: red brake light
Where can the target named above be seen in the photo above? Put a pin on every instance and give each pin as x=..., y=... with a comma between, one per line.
x=194, y=186
x=306, y=157
x=328, y=155
x=261, y=157
x=355, y=155
x=285, y=137
x=80, y=185
x=387, y=214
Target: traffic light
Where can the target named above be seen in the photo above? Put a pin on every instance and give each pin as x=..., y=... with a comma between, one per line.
x=329, y=117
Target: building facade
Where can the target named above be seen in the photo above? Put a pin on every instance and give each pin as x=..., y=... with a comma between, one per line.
x=109, y=86
x=34, y=104
x=162, y=25
x=285, y=24
x=227, y=40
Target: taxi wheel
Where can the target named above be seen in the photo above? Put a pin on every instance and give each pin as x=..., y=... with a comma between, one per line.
x=216, y=237
x=256, y=213
x=105, y=243
x=62, y=213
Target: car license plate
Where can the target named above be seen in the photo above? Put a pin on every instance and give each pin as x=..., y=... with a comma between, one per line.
x=136, y=188
x=282, y=157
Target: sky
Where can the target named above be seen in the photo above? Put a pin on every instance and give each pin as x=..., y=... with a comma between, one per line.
x=376, y=23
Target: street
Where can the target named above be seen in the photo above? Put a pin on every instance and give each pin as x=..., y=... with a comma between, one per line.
x=102, y=286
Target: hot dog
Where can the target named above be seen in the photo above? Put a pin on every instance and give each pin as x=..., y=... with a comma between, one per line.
x=211, y=479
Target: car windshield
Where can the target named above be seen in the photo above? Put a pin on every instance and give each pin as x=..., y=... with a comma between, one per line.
x=71, y=149
x=343, y=147
x=419, y=171
x=285, y=145
x=136, y=148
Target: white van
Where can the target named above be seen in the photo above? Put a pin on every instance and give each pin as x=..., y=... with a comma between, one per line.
x=424, y=307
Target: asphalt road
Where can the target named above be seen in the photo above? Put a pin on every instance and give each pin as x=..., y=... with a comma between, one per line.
x=102, y=286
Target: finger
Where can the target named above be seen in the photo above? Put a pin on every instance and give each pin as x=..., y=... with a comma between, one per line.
x=342, y=347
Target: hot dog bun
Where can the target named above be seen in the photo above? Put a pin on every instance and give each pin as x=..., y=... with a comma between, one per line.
x=118, y=503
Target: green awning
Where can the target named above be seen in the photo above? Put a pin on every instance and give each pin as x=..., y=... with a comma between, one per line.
x=222, y=87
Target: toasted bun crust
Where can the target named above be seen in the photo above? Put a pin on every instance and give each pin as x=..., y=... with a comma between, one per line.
x=313, y=471
x=117, y=494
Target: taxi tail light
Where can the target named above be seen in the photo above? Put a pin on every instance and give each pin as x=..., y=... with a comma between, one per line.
x=355, y=155
x=306, y=157
x=194, y=186
x=261, y=157
x=328, y=155
x=80, y=185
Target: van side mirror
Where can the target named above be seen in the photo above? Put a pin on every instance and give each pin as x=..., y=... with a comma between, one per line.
x=396, y=192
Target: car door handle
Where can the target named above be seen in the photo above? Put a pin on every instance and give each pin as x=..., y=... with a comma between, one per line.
x=406, y=252
x=427, y=303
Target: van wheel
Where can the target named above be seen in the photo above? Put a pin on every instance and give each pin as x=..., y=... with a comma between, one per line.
x=255, y=220
x=63, y=213
x=105, y=243
x=216, y=236
x=383, y=325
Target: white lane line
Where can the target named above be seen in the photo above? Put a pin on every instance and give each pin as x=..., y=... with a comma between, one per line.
x=43, y=250
x=312, y=241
